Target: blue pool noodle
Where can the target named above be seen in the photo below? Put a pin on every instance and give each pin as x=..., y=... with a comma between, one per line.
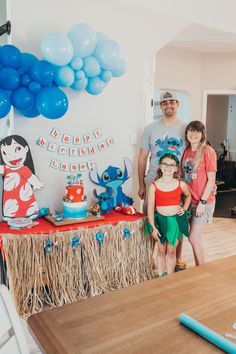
x=208, y=333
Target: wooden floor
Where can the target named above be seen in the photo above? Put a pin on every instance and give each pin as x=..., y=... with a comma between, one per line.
x=219, y=242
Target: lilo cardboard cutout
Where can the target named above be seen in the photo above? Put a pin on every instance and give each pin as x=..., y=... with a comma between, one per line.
x=19, y=180
x=112, y=178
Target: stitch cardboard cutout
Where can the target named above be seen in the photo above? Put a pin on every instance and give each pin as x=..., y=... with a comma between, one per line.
x=19, y=180
x=112, y=178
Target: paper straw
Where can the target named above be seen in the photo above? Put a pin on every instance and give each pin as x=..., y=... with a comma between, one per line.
x=207, y=333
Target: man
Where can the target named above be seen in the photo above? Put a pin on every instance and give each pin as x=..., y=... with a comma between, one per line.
x=158, y=138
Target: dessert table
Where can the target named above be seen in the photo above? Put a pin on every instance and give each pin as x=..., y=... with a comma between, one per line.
x=50, y=265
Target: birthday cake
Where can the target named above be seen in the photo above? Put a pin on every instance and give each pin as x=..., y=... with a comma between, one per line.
x=74, y=205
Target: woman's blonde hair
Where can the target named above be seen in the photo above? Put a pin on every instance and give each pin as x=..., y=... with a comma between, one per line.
x=198, y=126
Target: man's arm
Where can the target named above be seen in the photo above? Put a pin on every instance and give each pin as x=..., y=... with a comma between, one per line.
x=142, y=163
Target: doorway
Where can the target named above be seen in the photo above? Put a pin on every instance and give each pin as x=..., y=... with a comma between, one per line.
x=219, y=116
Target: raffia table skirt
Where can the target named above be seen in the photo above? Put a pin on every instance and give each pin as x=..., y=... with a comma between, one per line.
x=61, y=267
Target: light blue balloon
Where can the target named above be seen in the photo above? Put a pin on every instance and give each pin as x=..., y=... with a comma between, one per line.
x=5, y=104
x=52, y=102
x=101, y=36
x=108, y=53
x=120, y=69
x=80, y=85
x=64, y=76
x=95, y=86
x=76, y=62
x=34, y=87
x=22, y=99
x=79, y=74
x=57, y=49
x=83, y=38
x=106, y=75
x=91, y=66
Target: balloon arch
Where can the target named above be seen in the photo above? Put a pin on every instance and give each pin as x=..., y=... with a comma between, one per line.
x=82, y=60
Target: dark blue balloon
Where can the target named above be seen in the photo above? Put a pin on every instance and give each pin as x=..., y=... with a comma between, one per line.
x=10, y=56
x=22, y=99
x=52, y=102
x=42, y=72
x=25, y=80
x=9, y=79
x=34, y=87
x=26, y=62
x=31, y=113
x=5, y=104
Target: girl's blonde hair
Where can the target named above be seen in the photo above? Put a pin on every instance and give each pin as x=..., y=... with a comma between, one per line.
x=198, y=126
x=175, y=159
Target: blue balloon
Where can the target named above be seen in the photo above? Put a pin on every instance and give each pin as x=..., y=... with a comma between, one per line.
x=10, y=56
x=101, y=36
x=34, y=87
x=52, y=102
x=25, y=80
x=79, y=74
x=95, y=86
x=120, y=69
x=57, y=49
x=64, y=76
x=22, y=99
x=108, y=53
x=80, y=85
x=26, y=62
x=9, y=79
x=31, y=113
x=83, y=38
x=42, y=72
x=9, y=93
x=76, y=63
x=91, y=66
x=106, y=75
x=5, y=104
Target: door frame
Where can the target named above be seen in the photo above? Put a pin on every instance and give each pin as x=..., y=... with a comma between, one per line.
x=212, y=92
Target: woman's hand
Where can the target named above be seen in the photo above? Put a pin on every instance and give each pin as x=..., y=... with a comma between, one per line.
x=180, y=211
x=156, y=234
x=200, y=209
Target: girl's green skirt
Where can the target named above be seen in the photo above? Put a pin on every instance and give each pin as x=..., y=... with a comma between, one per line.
x=171, y=228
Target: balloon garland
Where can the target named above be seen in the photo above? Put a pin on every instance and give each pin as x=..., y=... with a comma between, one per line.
x=82, y=60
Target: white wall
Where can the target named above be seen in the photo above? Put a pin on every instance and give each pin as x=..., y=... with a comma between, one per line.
x=183, y=70
x=195, y=72
x=219, y=14
x=120, y=109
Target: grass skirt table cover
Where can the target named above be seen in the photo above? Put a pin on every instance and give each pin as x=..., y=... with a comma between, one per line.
x=56, y=266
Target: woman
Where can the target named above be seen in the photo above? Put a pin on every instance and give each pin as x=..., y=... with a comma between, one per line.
x=199, y=163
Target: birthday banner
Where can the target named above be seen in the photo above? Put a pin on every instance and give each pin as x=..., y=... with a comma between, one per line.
x=80, y=146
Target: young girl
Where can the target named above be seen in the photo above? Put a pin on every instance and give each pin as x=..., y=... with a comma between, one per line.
x=16, y=166
x=199, y=163
x=166, y=216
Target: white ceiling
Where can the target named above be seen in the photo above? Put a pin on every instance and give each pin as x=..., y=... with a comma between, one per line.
x=206, y=40
x=197, y=37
